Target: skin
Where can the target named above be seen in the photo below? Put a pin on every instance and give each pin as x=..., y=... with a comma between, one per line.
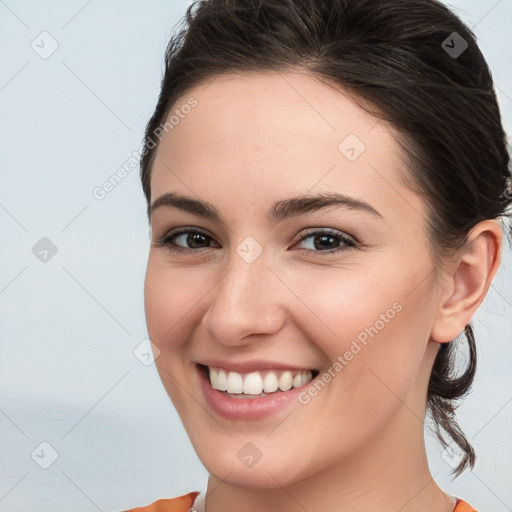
x=358, y=445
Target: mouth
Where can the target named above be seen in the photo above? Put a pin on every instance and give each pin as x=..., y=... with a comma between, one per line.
x=256, y=384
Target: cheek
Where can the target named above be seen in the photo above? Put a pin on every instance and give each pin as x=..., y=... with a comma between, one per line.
x=170, y=296
x=169, y=300
x=348, y=304
x=371, y=327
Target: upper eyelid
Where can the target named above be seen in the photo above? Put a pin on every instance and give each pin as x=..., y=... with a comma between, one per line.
x=333, y=231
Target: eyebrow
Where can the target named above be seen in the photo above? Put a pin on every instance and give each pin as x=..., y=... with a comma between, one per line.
x=280, y=210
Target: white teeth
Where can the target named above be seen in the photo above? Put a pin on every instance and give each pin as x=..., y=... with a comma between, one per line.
x=286, y=381
x=270, y=383
x=253, y=384
x=235, y=383
x=222, y=379
x=256, y=383
x=213, y=379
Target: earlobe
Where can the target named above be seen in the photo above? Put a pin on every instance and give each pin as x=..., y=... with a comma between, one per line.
x=467, y=281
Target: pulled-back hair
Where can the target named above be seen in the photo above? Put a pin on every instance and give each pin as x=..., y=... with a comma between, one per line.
x=402, y=62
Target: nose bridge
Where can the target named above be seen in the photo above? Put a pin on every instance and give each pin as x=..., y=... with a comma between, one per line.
x=243, y=302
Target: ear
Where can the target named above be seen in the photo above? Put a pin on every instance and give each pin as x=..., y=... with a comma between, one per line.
x=467, y=280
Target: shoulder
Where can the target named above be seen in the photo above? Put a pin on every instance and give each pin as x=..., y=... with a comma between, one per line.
x=179, y=504
x=462, y=506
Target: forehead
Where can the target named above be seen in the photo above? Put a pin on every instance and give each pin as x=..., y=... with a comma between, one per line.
x=258, y=137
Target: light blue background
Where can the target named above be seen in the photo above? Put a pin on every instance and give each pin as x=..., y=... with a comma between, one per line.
x=69, y=326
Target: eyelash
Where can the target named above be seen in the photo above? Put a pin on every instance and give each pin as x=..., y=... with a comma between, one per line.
x=350, y=243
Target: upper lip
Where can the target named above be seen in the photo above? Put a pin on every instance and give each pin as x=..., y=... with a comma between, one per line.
x=253, y=365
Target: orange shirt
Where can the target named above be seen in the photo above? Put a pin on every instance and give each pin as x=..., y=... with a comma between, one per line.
x=179, y=504
x=183, y=504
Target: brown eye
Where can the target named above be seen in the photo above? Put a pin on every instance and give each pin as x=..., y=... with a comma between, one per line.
x=193, y=239
x=328, y=241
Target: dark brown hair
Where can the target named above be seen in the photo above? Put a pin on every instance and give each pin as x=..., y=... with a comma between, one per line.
x=398, y=58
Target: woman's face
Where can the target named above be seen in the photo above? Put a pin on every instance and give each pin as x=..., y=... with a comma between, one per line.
x=357, y=309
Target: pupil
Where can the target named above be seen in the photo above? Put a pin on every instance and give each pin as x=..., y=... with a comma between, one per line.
x=324, y=238
x=191, y=239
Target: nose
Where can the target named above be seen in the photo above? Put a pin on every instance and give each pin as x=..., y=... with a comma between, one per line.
x=247, y=301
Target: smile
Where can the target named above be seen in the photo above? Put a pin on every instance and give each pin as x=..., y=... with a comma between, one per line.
x=257, y=384
x=246, y=394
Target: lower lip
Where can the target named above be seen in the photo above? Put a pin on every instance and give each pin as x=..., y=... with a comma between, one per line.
x=247, y=408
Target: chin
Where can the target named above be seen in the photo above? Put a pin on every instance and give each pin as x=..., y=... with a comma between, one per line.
x=274, y=472
x=260, y=476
